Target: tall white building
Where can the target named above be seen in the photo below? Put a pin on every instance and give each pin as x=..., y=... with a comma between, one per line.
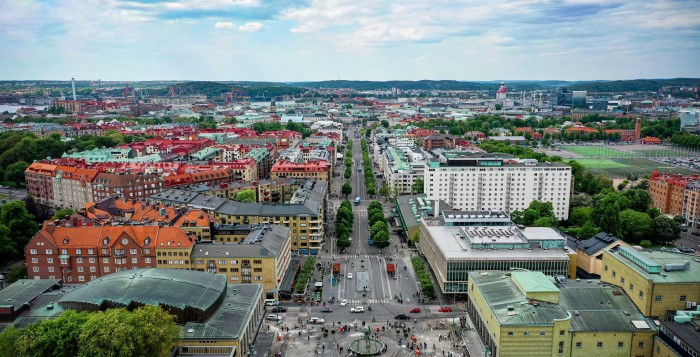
x=497, y=182
x=402, y=166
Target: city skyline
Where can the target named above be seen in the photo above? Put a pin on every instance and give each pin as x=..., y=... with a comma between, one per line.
x=352, y=40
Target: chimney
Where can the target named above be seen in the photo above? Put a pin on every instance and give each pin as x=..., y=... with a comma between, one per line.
x=637, y=129
x=436, y=214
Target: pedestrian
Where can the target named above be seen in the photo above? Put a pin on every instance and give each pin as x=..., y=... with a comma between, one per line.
x=443, y=352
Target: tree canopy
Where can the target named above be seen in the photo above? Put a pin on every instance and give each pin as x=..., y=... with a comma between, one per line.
x=245, y=196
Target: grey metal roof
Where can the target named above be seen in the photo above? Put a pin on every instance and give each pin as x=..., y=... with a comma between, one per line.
x=265, y=241
x=24, y=291
x=173, y=287
x=231, y=318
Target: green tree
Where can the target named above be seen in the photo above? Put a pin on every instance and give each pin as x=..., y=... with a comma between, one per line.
x=345, y=214
x=245, y=196
x=62, y=212
x=416, y=238
x=377, y=216
x=54, y=337
x=381, y=239
x=385, y=123
x=653, y=212
x=16, y=272
x=384, y=190
x=417, y=187
x=378, y=227
x=588, y=230
x=14, y=174
x=640, y=200
x=580, y=215
x=665, y=229
x=346, y=189
x=545, y=222
x=8, y=341
x=375, y=205
x=580, y=200
x=8, y=247
x=15, y=217
x=147, y=331
x=635, y=226
x=610, y=220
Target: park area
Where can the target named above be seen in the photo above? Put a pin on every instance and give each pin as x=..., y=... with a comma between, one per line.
x=622, y=161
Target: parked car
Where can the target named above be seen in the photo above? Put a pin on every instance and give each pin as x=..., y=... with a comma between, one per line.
x=357, y=309
x=326, y=309
x=402, y=317
x=696, y=233
x=316, y=321
x=279, y=309
x=445, y=309
x=415, y=310
x=273, y=317
x=349, y=275
x=343, y=302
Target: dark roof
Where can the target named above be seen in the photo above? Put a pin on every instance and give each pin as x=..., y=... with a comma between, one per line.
x=264, y=241
x=687, y=332
x=594, y=244
x=24, y=291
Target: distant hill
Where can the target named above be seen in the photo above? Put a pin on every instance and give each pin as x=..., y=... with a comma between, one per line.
x=402, y=85
x=634, y=85
x=251, y=89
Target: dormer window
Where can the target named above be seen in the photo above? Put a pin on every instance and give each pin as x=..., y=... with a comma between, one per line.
x=105, y=241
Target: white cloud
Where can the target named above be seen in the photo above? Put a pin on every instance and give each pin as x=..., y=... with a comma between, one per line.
x=251, y=27
x=225, y=25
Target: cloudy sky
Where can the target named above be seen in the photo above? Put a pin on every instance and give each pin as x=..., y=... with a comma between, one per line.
x=297, y=40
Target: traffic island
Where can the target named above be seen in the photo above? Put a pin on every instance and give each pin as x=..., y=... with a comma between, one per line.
x=367, y=346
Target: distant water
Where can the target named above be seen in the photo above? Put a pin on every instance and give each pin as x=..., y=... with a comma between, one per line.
x=13, y=108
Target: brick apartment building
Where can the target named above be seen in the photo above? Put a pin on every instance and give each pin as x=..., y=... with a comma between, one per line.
x=78, y=254
x=438, y=141
x=315, y=170
x=676, y=195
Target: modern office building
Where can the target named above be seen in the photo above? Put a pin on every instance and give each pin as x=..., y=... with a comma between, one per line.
x=689, y=117
x=410, y=209
x=497, y=182
x=457, y=242
x=525, y=313
x=656, y=281
x=578, y=99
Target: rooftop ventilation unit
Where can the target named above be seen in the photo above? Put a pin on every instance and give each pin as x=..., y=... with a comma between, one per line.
x=677, y=266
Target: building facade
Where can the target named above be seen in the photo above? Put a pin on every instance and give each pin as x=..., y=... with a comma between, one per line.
x=497, y=182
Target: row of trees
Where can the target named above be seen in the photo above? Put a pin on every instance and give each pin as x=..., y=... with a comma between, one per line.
x=348, y=160
x=344, y=219
x=147, y=331
x=304, y=275
x=424, y=279
x=686, y=140
x=379, y=228
x=367, y=164
x=260, y=127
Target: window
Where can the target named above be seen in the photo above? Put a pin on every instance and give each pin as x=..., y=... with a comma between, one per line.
x=542, y=333
x=64, y=251
x=105, y=251
x=641, y=344
x=222, y=261
x=561, y=332
x=148, y=260
x=622, y=280
x=80, y=269
x=683, y=298
x=50, y=269
x=134, y=260
x=600, y=344
x=657, y=298
x=106, y=269
x=32, y=251
x=641, y=294
x=526, y=333
x=78, y=251
x=234, y=261
x=93, y=269
x=235, y=278
x=631, y=287
x=258, y=278
x=35, y=269
x=78, y=260
x=561, y=347
x=147, y=251
x=510, y=333
x=620, y=344
x=578, y=344
x=64, y=261
x=614, y=274
x=91, y=251
x=105, y=260
x=132, y=251
x=81, y=278
x=35, y=260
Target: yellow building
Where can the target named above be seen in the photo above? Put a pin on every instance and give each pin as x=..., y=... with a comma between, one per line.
x=590, y=252
x=523, y=313
x=656, y=281
x=280, y=190
x=261, y=258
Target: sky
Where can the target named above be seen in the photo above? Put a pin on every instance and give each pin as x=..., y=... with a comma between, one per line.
x=308, y=40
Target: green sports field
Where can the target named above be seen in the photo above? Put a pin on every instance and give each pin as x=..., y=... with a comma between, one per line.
x=620, y=168
x=595, y=151
x=636, y=151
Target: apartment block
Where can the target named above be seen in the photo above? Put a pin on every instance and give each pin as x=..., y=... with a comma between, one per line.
x=497, y=182
x=402, y=167
x=314, y=170
x=80, y=254
x=677, y=195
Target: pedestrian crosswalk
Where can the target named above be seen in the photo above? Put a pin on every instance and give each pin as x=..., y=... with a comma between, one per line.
x=368, y=301
x=360, y=256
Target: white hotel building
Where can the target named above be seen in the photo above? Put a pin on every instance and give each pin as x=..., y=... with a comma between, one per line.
x=497, y=182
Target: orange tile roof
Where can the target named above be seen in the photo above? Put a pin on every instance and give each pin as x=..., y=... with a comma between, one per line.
x=93, y=237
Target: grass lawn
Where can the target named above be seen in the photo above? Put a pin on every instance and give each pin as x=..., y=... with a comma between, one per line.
x=662, y=152
x=620, y=168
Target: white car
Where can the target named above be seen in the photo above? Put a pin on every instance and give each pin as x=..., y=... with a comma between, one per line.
x=358, y=309
x=273, y=317
x=349, y=275
x=343, y=302
x=316, y=321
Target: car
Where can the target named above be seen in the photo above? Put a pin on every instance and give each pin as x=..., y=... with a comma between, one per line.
x=273, y=317
x=402, y=317
x=357, y=309
x=696, y=233
x=271, y=302
x=278, y=309
x=326, y=309
x=445, y=309
x=349, y=275
x=316, y=321
x=343, y=302
x=415, y=310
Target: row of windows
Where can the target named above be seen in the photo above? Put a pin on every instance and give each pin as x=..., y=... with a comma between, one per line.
x=620, y=344
x=657, y=298
x=105, y=260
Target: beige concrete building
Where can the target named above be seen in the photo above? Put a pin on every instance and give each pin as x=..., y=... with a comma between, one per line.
x=590, y=252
